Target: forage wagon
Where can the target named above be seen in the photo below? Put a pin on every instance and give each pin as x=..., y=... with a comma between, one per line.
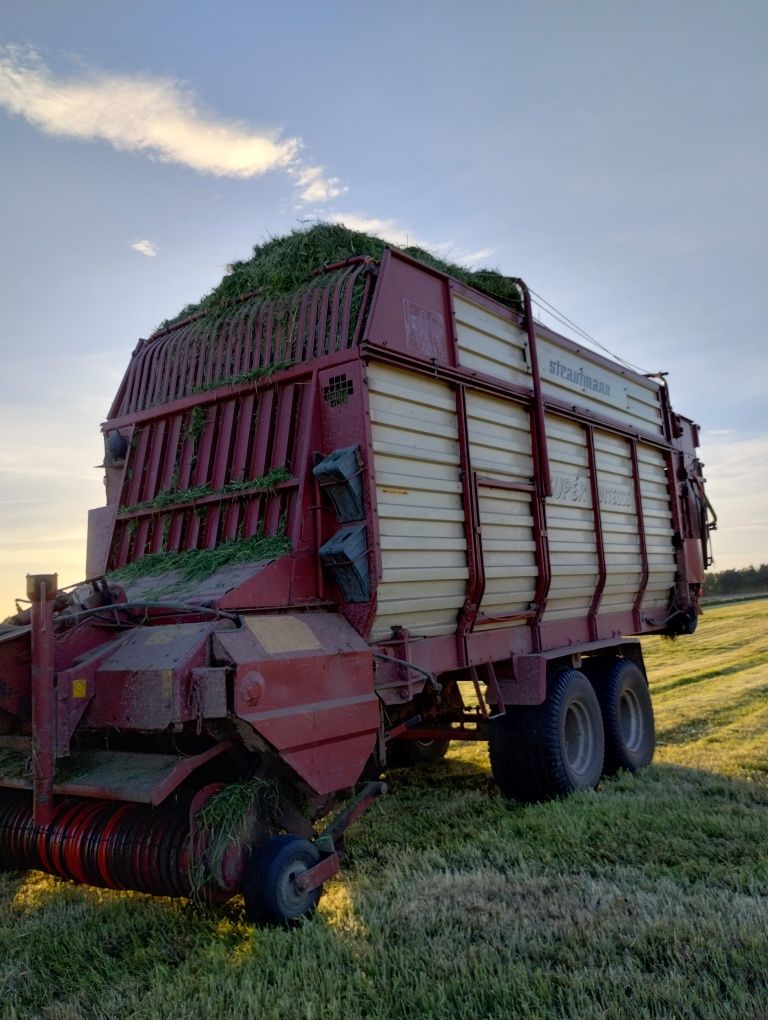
x=334, y=508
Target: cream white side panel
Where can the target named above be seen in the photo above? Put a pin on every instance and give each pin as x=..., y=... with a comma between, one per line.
x=618, y=515
x=421, y=516
x=418, y=491
x=659, y=531
x=570, y=523
x=574, y=378
x=500, y=451
x=490, y=343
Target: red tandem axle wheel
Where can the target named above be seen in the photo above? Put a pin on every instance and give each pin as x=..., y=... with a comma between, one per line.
x=627, y=710
x=543, y=751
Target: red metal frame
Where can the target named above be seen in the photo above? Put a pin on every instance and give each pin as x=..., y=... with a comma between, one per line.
x=194, y=353
x=644, y=569
x=674, y=485
x=544, y=578
x=541, y=457
x=602, y=572
x=41, y=591
x=475, y=565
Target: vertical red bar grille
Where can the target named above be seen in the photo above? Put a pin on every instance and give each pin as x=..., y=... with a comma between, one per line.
x=218, y=472
x=257, y=335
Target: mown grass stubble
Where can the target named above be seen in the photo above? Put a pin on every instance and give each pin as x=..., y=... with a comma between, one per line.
x=647, y=898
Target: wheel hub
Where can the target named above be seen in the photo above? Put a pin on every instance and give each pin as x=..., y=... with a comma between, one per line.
x=579, y=737
x=630, y=719
x=293, y=897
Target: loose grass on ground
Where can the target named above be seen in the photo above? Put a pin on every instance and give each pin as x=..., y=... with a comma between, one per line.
x=647, y=898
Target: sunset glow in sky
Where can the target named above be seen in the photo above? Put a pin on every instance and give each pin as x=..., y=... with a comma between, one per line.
x=611, y=153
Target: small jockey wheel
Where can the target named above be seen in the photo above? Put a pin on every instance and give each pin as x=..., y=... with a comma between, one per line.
x=270, y=891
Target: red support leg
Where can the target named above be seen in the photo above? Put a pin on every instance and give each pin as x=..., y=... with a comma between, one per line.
x=41, y=591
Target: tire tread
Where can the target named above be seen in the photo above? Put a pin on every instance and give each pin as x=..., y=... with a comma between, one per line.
x=607, y=684
x=525, y=751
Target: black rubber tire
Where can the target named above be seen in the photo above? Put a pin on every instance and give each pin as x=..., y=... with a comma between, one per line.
x=268, y=889
x=627, y=710
x=405, y=753
x=539, y=752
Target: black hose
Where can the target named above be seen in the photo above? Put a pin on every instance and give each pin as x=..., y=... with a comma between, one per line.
x=434, y=682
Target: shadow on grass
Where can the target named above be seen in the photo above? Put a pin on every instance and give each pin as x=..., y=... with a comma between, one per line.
x=714, y=717
x=713, y=674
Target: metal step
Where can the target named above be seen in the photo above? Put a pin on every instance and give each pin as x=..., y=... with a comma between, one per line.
x=105, y=775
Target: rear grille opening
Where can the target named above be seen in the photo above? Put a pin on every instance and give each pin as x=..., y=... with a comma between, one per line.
x=338, y=391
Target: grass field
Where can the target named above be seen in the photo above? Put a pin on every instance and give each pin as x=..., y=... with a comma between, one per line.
x=646, y=898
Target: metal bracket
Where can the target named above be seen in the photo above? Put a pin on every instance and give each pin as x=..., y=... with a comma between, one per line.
x=331, y=842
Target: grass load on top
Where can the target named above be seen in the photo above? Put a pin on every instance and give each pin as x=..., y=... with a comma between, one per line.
x=282, y=265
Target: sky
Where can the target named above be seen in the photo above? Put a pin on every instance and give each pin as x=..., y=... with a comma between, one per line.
x=611, y=153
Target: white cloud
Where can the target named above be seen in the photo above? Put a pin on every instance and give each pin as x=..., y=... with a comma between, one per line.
x=316, y=187
x=158, y=117
x=400, y=237
x=388, y=230
x=475, y=258
x=144, y=248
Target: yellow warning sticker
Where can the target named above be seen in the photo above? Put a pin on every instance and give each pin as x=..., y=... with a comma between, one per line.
x=280, y=634
x=80, y=688
x=159, y=636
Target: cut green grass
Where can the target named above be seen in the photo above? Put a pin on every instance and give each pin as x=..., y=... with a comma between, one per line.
x=224, y=821
x=194, y=564
x=645, y=899
x=173, y=496
x=285, y=264
x=256, y=375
